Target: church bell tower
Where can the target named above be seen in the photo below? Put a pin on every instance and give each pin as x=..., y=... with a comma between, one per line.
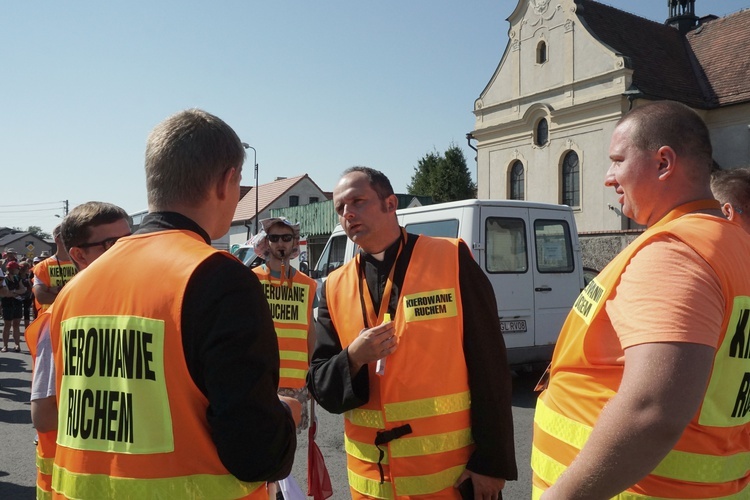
x=682, y=15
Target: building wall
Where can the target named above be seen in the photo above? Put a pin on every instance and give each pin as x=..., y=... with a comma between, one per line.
x=305, y=189
x=581, y=91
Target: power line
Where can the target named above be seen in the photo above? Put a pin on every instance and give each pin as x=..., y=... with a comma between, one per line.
x=34, y=204
x=32, y=210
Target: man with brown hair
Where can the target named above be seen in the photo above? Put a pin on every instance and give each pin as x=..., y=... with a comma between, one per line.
x=648, y=384
x=87, y=232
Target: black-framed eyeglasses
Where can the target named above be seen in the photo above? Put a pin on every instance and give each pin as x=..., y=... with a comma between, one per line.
x=274, y=238
x=106, y=244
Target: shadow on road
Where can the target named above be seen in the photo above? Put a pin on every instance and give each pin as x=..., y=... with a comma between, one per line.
x=10, y=490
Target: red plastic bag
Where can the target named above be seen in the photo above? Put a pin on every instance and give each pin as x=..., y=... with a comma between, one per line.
x=318, y=481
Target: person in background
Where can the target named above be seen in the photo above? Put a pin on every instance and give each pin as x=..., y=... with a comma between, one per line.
x=648, y=386
x=291, y=297
x=87, y=232
x=732, y=189
x=51, y=275
x=192, y=410
x=8, y=256
x=426, y=391
x=27, y=302
x=12, y=306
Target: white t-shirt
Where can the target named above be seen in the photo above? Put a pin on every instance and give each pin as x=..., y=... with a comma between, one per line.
x=43, y=381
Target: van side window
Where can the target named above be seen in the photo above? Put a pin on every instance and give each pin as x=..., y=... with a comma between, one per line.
x=332, y=257
x=506, y=245
x=554, y=252
x=441, y=228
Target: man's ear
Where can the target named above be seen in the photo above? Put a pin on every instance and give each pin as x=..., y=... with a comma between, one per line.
x=391, y=203
x=78, y=257
x=224, y=182
x=728, y=210
x=667, y=158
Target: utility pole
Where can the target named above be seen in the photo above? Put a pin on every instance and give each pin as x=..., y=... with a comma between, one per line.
x=66, y=207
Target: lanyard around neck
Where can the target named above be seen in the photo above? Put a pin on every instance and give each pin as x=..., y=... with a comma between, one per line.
x=369, y=318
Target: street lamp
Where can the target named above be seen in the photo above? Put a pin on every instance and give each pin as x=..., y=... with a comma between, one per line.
x=255, y=173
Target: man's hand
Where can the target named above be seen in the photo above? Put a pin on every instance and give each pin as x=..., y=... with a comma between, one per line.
x=371, y=345
x=485, y=487
x=295, y=406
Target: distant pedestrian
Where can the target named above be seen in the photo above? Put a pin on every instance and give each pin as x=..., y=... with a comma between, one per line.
x=12, y=306
x=732, y=189
x=51, y=275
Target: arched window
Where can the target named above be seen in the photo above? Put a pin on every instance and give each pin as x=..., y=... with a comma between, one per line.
x=541, y=52
x=516, y=181
x=571, y=183
x=542, y=132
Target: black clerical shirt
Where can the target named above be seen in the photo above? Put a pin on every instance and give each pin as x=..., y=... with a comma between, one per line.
x=337, y=390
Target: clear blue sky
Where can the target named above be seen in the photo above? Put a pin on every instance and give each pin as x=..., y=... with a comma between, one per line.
x=315, y=87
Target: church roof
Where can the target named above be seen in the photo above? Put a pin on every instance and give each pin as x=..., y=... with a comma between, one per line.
x=704, y=69
x=722, y=48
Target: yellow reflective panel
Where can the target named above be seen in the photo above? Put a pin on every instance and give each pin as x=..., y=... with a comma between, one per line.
x=293, y=355
x=74, y=485
x=366, y=418
x=426, y=445
x=429, y=483
x=370, y=487
x=561, y=427
x=292, y=333
x=363, y=451
x=44, y=464
x=428, y=407
x=113, y=396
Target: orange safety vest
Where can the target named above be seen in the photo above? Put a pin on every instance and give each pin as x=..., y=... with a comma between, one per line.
x=712, y=458
x=425, y=384
x=53, y=272
x=291, y=304
x=45, y=448
x=132, y=423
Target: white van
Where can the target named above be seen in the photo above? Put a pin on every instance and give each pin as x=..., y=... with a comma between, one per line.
x=529, y=251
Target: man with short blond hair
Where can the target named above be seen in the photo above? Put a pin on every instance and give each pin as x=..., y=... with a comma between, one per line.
x=190, y=367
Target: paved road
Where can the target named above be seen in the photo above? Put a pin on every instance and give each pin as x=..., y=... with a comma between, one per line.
x=17, y=473
x=17, y=454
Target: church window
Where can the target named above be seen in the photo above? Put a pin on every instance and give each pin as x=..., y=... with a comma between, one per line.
x=517, y=181
x=542, y=132
x=571, y=181
x=541, y=52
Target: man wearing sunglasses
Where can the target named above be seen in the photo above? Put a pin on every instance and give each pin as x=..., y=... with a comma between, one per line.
x=87, y=232
x=291, y=297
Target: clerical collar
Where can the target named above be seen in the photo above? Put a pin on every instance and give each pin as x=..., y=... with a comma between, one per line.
x=388, y=255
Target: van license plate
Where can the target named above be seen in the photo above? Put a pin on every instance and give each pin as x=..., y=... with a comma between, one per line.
x=514, y=326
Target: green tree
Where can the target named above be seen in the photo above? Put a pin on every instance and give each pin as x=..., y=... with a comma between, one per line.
x=36, y=231
x=444, y=177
